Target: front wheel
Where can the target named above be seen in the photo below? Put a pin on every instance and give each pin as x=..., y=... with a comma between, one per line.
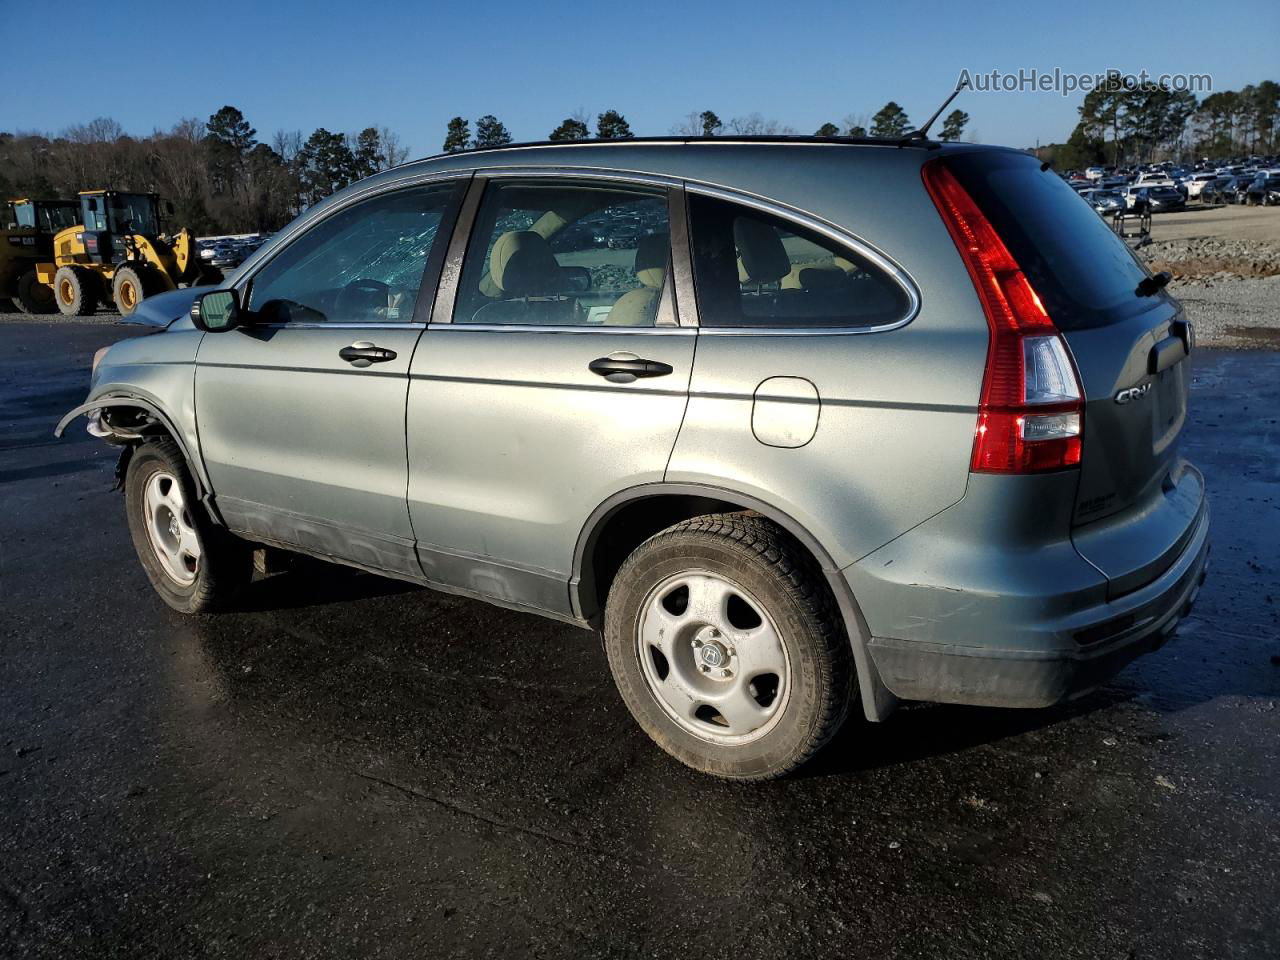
x=193, y=564
x=76, y=291
x=132, y=284
x=726, y=646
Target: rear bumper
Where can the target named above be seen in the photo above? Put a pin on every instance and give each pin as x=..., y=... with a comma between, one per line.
x=1035, y=659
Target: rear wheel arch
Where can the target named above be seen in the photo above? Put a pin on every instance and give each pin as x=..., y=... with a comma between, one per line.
x=629, y=517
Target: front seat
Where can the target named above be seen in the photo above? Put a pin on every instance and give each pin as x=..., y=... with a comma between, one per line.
x=529, y=281
x=639, y=307
x=762, y=258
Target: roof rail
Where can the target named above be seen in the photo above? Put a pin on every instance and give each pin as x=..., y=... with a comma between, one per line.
x=912, y=140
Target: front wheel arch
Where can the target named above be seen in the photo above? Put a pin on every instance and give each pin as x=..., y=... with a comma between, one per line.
x=160, y=425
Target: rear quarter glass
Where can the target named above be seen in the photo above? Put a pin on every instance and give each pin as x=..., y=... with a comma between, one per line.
x=1084, y=274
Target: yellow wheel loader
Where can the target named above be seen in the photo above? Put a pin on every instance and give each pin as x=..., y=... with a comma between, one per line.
x=119, y=255
x=26, y=239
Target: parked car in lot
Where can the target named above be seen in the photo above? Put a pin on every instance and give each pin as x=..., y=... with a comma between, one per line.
x=1240, y=188
x=1157, y=199
x=1165, y=199
x=1263, y=190
x=1218, y=190
x=1105, y=201
x=926, y=448
x=1196, y=183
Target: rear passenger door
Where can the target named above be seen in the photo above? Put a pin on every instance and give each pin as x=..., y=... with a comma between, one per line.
x=554, y=374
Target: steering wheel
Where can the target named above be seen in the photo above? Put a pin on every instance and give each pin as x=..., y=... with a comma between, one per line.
x=361, y=299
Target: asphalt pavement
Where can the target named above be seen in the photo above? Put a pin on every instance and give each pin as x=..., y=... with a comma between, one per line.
x=353, y=767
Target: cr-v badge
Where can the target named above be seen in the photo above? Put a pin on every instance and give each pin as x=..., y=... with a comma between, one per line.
x=1133, y=393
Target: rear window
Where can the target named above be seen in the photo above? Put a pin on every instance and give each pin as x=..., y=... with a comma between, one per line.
x=1084, y=274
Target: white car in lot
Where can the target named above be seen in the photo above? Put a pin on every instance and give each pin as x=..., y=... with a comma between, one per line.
x=1195, y=183
x=1094, y=173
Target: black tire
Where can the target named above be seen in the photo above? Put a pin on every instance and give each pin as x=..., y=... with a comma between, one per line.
x=225, y=563
x=76, y=291
x=35, y=297
x=132, y=284
x=755, y=554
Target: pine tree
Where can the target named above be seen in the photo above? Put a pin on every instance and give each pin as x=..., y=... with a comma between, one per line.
x=570, y=129
x=458, y=136
x=611, y=125
x=490, y=132
x=891, y=122
x=953, y=124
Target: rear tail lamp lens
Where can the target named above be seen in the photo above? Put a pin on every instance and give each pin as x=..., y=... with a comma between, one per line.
x=1031, y=411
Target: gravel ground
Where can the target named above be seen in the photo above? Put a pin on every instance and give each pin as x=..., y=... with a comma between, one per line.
x=57, y=319
x=1237, y=312
x=1210, y=257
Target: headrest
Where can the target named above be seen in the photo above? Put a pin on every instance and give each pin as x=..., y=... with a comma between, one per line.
x=761, y=256
x=651, y=259
x=522, y=265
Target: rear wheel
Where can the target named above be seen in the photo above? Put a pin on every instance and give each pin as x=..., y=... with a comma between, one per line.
x=193, y=564
x=725, y=644
x=34, y=296
x=132, y=284
x=75, y=290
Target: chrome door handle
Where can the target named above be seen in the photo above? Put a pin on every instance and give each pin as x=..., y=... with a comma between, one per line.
x=624, y=368
x=362, y=353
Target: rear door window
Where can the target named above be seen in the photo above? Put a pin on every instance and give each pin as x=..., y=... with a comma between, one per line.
x=1084, y=274
x=753, y=269
x=552, y=253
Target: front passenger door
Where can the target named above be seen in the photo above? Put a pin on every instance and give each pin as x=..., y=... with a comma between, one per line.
x=301, y=412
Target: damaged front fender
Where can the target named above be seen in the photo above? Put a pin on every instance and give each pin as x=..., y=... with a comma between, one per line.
x=152, y=423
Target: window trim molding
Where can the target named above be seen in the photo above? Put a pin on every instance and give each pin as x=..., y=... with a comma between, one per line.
x=597, y=328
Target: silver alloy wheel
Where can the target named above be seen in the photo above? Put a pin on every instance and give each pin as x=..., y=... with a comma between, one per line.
x=172, y=535
x=713, y=657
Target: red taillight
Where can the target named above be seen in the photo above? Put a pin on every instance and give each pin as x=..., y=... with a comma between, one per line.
x=1031, y=412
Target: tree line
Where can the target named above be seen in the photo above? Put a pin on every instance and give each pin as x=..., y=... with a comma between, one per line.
x=1140, y=122
x=890, y=121
x=219, y=175
x=222, y=177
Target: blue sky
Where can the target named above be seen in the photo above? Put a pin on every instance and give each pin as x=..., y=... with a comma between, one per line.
x=350, y=64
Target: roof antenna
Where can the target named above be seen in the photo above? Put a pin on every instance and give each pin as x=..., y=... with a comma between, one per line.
x=923, y=132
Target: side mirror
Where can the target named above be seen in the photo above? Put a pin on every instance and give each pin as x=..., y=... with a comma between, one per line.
x=217, y=311
x=168, y=207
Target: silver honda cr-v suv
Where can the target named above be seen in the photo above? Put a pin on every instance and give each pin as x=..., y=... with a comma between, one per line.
x=798, y=424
